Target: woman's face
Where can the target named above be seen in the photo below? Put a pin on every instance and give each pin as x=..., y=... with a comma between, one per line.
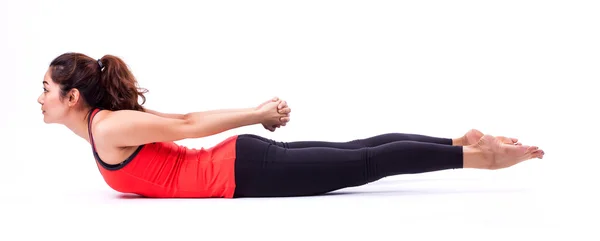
x=53, y=108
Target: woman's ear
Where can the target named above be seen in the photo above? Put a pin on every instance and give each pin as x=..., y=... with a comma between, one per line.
x=73, y=97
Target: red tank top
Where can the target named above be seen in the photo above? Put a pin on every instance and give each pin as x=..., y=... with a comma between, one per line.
x=169, y=170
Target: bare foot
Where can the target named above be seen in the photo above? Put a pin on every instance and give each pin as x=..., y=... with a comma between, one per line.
x=473, y=136
x=500, y=155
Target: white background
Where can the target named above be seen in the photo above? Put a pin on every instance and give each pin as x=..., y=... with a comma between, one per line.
x=348, y=69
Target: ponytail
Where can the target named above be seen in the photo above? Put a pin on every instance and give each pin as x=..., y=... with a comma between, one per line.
x=120, y=86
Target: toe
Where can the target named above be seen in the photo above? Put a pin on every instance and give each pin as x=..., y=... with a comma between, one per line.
x=522, y=150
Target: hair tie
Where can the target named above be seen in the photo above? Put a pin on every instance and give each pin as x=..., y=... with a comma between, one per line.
x=100, y=63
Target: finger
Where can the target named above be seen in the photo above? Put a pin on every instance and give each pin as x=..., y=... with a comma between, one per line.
x=285, y=111
x=266, y=127
x=282, y=104
x=284, y=120
x=275, y=98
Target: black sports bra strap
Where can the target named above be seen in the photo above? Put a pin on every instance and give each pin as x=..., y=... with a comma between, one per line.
x=91, y=115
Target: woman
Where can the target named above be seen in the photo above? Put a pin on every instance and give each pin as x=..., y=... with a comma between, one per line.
x=135, y=151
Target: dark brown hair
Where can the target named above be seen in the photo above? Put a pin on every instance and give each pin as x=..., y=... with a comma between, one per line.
x=111, y=86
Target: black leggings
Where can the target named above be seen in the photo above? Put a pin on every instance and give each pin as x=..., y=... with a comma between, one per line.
x=267, y=168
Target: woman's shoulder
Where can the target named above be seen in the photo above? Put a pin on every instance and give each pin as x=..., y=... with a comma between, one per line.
x=133, y=128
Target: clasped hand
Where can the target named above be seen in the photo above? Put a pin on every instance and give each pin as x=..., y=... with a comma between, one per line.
x=274, y=113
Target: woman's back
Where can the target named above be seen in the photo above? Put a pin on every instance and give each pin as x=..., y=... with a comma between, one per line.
x=166, y=169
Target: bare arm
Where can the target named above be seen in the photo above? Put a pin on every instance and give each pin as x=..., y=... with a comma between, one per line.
x=219, y=111
x=217, y=121
x=131, y=128
x=183, y=116
x=165, y=115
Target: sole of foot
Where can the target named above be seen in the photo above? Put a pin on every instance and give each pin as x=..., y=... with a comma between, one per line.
x=501, y=155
